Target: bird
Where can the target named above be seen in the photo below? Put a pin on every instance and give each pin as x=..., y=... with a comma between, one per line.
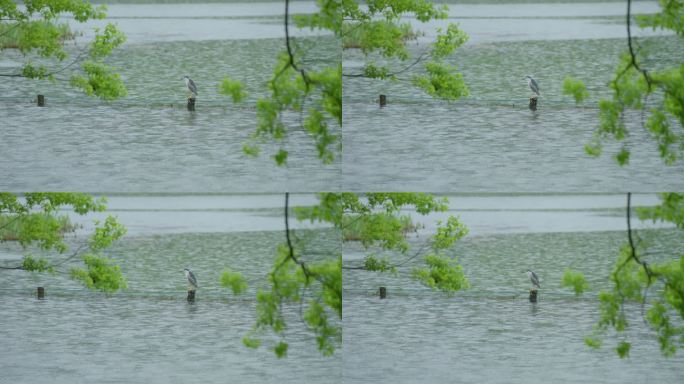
x=532, y=83
x=191, y=86
x=191, y=279
x=533, y=278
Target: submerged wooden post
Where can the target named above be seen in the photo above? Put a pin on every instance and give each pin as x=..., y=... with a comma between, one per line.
x=383, y=292
x=191, y=295
x=41, y=100
x=533, y=295
x=383, y=100
x=41, y=292
x=533, y=103
x=191, y=104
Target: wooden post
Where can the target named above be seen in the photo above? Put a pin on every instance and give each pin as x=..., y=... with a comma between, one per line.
x=191, y=104
x=41, y=100
x=533, y=103
x=383, y=292
x=533, y=295
x=191, y=295
x=383, y=100
x=41, y=292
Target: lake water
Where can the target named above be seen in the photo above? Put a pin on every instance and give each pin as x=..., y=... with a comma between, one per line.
x=491, y=333
x=491, y=141
x=148, y=140
x=76, y=335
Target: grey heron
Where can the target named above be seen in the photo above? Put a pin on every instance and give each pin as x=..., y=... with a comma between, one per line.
x=192, y=280
x=191, y=86
x=533, y=278
x=533, y=84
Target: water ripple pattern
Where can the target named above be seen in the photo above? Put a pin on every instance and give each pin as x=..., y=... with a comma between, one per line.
x=491, y=141
x=76, y=335
x=491, y=333
x=148, y=140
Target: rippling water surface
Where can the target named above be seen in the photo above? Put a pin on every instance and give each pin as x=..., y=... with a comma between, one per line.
x=491, y=333
x=491, y=141
x=149, y=333
x=148, y=140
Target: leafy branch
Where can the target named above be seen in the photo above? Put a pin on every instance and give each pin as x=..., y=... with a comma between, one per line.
x=633, y=84
x=34, y=30
x=290, y=277
x=633, y=278
x=35, y=222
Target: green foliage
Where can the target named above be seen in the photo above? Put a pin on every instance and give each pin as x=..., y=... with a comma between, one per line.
x=99, y=80
x=280, y=349
x=448, y=233
x=442, y=81
x=100, y=273
x=575, y=88
x=448, y=41
x=575, y=280
x=387, y=37
x=378, y=32
x=634, y=82
x=105, y=235
x=442, y=273
x=35, y=29
x=290, y=279
x=592, y=342
x=353, y=227
x=658, y=284
x=35, y=221
x=317, y=319
x=31, y=72
x=233, y=88
x=316, y=93
x=46, y=230
x=234, y=280
x=375, y=28
x=46, y=38
x=372, y=263
x=40, y=264
x=251, y=342
x=375, y=219
x=378, y=222
x=669, y=19
x=623, y=349
x=671, y=210
x=106, y=42
x=383, y=229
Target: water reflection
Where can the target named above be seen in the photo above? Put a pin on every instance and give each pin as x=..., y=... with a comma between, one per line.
x=534, y=309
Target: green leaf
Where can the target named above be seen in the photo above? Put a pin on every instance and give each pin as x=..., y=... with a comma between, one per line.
x=281, y=349
x=251, y=342
x=575, y=88
x=100, y=274
x=100, y=80
x=594, y=343
x=233, y=88
x=442, y=273
x=38, y=265
x=575, y=280
x=234, y=280
x=623, y=349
